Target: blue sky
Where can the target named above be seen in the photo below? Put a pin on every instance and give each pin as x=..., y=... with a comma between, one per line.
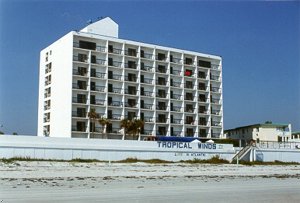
x=259, y=43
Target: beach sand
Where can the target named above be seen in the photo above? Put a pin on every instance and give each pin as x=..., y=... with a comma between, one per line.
x=36, y=181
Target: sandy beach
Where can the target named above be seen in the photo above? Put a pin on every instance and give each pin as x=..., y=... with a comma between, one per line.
x=36, y=181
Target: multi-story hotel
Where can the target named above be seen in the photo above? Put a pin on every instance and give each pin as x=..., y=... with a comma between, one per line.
x=176, y=92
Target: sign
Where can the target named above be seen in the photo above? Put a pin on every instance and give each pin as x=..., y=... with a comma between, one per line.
x=188, y=145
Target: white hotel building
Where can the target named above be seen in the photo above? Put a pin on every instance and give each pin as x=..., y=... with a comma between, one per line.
x=176, y=92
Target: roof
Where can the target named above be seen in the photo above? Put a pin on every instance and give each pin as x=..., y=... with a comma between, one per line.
x=262, y=125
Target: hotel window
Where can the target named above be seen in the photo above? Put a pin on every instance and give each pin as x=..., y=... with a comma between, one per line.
x=206, y=64
x=188, y=61
x=188, y=73
x=161, y=57
x=87, y=45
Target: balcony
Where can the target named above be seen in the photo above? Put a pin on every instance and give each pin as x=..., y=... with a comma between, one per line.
x=161, y=120
x=161, y=70
x=115, y=103
x=131, y=52
x=216, y=112
x=189, y=122
x=131, y=105
x=175, y=84
x=203, y=100
x=147, y=68
x=188, y=86
x=79, y=72
x=117, y=64
x=176, y=134
x=147, y=93
x=98, y=102
x=130, y=65
x=161, y=57
x=176, y=96
x=79, y=86
x=98, y=61
x=161, y=95
x=175, y=60
x=176, y=121
x=146, y=132
x=46, y=120
x=47, y=94
x=176, y=109
x=161, y=82
x=115, y=77
x=79, y=114
x=215, y=66
x=160, y=107
x=130, y=92
x=147, y=106
x=215, y=101
x=189, y=98
x=146, y=55
x=203, y=123
x=98, y=88
x=46, y=108
x=215, y=89
x=216, y=124
x=98, y=75
x=203, y=111
x=147, y=81
x=78, y=128
x=130, y=79
x=79, y=100
x=83, y=59
x=175, y=72
x=215, y=77
x=47, y=82
x=148, y=119
x=112, y=50
x=189, y=110
x=115, y=90
x=115, y=117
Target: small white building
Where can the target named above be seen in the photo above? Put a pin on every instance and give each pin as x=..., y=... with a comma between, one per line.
x=261, y=132
x=296, y=136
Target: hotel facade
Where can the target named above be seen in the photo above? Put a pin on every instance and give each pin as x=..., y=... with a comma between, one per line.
x=175, y=92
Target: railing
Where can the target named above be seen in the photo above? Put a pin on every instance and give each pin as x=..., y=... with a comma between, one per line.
x=147, y=93
x=98, y=102
x=46, y=95
x=147, y=56
x=190, y=122
x=115, y=77
x=188, y=110
x=175, y=72
x=147, y=106
x=159, y=107
x=79, y=59
x=130, y=79
x=81, y=73
x=161, y=120
x=215, y=101
x=216, y=124
x=99, y=61
x=98, y=88
x=215, y=66
x=203, y=100
x=160, y=58
x=188, y=86
x=203, y=112
x=201, y=88
x=147, y=81
x=176, y=84
x=79, y=101
x=147, y=132
x=161, y=95
x=101, y=48
x=78, y=129
x=176, y=60
x=214, y=77
x=47, y=82
x=202, y=123
x=46, y=120
x=96, y=130
x=188, y=98
x=176, y=133
x=176, y=121
x=78, y=114
x=216, y=112
x=159, y=70
x=131, y=53
x=115, y=103
x=46, y=108
x=116, y=117
x=132, y=105
x=116, y=90
x=176, y=108
x=148, y=119
x=117, y=64
x=98, y=75
x=77, y=86
x=215, y=89
x=131, y=66
x=131, y=92
x=202, y=77
x=147, y=68
x=176, y=96
x=158, y=82
x=114, y=130
x=277, y=145
x=215, y=135
x=115, y=51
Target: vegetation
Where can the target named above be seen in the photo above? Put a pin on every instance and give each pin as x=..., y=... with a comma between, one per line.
x=213, y=160
x=14, y=133
x=93, y=116
x=104, y=122
x=1, y=133
x=132, y=127
x=276, y=162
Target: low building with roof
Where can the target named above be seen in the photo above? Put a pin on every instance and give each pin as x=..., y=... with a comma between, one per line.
x=267, y=131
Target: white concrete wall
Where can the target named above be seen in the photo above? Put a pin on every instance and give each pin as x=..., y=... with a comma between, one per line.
x=106, y=27
x=284, y=155
x=72, y=148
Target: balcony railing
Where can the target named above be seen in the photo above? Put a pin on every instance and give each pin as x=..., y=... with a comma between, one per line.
x=176, y=108
x=80, y=87
x=203, y=123
x=175, y=72
x=46, y=95
x=176, y=96
x=215, y=135
x=117, y=64
x=160, y=107
x=46, y=108
x=98, y=88
x=113, y=130
x=189, y=122
x=98, y=75
x=147, y=106
x=176, y=60
x=99, y=61
x=115, y=77
x=176, y=84
x=176, y=133
x=79, y=100
x=146, y=132
x=188, y=98
x=101, y=48
x=130, y=79
x=115, y=117
x=161, y=120
x=131, y=53
x=148, y=119
x=147, y=81
x=115, y=51
x=215, y=89
x=131, y=92
x=147, y=68
x=131, y=105
x=147, y=93
x=79, y=72
x=203, y=100
x=215, y=101
x=214, y=77
x=115, y=103
x=189, y=86
x=189, y=110
x=203, y=111
x=216, y=124
x=161, y=70
x=159, y=82
x=115, y=90
x=202, y=88
x=79, y=114
x=160, y=95
x=216, y=112
x=131, y=66
x=79, y=128
x=176, y=121
x=46, y=120
x=147, y=56
x=98, y=102
x=215, y=66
